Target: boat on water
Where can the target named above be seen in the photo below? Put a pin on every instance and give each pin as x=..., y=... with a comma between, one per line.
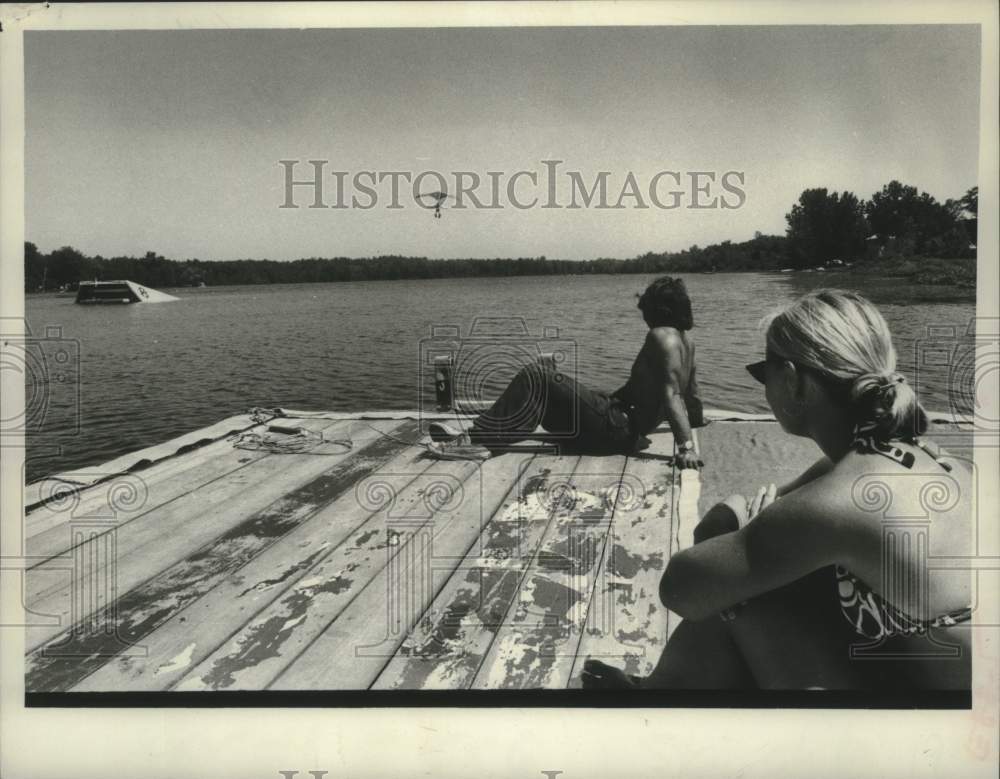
x=121, y=291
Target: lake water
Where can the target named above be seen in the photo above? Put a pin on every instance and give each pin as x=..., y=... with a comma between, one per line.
x=141, y=374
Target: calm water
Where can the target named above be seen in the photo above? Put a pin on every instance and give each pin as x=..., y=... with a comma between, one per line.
x=146, y=373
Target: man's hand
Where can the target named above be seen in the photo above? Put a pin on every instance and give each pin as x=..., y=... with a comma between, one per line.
x=687, y=459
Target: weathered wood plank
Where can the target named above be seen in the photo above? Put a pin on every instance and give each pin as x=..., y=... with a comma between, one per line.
x=401, y=503
x=160, y=538
x=687, y=510
x=117, y=492
x=62, y=663
x=38, y=491
x=124, y=497
x=114, y=505
x=626, y=623
x=536, y=647
x=352, y=652
x=215, y=605
x=447, y=645
x=686, y=514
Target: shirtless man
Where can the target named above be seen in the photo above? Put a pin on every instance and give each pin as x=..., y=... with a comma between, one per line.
x=662, y=386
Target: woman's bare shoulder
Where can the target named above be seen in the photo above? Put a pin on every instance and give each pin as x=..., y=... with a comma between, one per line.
x=912, y=459
x=868, y=484
x=834, y=498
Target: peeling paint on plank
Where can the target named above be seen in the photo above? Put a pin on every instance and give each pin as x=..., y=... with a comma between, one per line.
x=62, y=662
x=183, y=660
x=289, y=572
x=627, y=565
x=446, y=647
x=626, y=625
x=265, y=637
x=541, y=638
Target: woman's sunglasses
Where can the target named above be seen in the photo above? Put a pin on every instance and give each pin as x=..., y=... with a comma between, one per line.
x=759, y=369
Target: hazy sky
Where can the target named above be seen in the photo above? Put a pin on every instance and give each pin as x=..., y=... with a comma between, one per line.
x=170, y=141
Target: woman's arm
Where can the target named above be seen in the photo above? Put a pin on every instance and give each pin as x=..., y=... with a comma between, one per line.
x=789, y=539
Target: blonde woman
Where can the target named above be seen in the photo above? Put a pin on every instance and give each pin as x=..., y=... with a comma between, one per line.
x=822, y=583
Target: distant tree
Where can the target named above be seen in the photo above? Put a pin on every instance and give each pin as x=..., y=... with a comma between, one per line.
x=190, y=274
x=824, y=226
x=67, y=266
x=950, y=244
x=911, y=220
x=35, y=272
x=891, y=212
x=970, y=201
x=969, y=215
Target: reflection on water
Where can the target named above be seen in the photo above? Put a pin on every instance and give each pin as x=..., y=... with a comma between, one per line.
x=151, y=372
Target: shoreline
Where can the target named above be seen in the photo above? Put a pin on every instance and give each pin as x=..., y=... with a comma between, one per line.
x=930, y=286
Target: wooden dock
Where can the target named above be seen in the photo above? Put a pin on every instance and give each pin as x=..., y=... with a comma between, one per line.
x=359, y=563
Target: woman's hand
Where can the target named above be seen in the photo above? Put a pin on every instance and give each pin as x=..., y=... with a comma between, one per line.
x=765, y=497
x=781, y=541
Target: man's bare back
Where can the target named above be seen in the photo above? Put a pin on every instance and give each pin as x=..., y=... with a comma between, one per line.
x=666, y=357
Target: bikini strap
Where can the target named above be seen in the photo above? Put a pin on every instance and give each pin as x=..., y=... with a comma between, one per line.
x=867, y=441
x=934, y=451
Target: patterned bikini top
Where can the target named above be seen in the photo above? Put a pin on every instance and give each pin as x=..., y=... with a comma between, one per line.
x=870, y=614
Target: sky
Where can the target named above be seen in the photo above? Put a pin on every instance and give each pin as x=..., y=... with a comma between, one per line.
x=169, y=141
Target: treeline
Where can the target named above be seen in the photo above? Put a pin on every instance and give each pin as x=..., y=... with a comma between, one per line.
x=66, y=267
x=826, y=228
x=823, y=227
x=897, y=221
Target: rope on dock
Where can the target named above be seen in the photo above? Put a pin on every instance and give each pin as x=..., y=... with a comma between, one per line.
x=289, y=441
x=259, y=415
x=305, y=439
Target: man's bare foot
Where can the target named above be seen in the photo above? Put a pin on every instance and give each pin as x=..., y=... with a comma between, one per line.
x=600, y=676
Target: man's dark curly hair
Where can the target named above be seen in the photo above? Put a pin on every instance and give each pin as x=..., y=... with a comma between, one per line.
x=665, y=303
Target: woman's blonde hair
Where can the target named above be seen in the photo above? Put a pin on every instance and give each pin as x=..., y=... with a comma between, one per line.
x=843, y=337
